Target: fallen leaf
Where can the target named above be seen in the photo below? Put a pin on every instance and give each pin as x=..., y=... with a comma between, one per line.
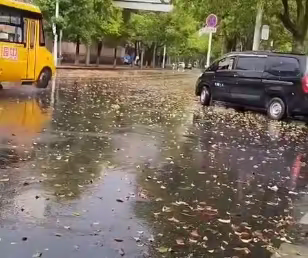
x=180, y=242
x=121, y=252
x=226, y=221
x=273, y=188
x=166, y=209
x=163, y=249
x=173, y=219
x=195, y=234
x=193, y=241
x=245, y=240
x=242, y=249
x=151, y=238
x=118, y=240
x=285, y=240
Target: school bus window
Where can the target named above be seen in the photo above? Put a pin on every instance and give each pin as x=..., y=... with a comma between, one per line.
x=25, y=31
x=42, y=36
x=10, y=27
x=32, y=34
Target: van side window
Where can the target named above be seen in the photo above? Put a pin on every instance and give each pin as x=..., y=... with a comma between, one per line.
x=42, y=36
x=11, y=29
x=283, y=66
x=251, y=63
x=226, y=64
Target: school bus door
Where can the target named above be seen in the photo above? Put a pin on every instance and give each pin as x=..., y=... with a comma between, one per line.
x=31, y=46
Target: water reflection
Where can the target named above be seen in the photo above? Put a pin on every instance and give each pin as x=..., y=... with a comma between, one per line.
x=22, y=117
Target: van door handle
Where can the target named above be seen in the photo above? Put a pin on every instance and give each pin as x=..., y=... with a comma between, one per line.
x=235, y=75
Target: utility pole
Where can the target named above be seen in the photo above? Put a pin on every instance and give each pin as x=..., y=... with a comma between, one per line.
x=258, y=26
x=54, y=28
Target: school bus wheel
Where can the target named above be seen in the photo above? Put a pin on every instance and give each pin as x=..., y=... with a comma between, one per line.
x=44, y=78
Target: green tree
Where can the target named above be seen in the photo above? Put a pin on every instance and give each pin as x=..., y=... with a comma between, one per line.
x=294, y=16
x=84, y=21
x=155, y=30
x=108, y=24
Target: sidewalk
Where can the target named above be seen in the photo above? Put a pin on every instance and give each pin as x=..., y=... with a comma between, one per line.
x=102, y=67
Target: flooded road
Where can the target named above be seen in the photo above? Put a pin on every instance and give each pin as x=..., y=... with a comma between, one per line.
x=130, y=165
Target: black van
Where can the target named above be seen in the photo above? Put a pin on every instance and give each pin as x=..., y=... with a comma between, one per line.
x=275, y=82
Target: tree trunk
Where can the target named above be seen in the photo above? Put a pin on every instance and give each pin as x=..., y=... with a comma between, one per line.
x=142, y=58
x=115, y=57
x=258, y=26
x=164, y=57
x=298, y=46
x=154, y=56
x=88, y=57
x=99, y=51
x=77, y=51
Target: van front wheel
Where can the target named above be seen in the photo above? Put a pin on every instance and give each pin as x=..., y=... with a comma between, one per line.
x=205, y=96
x=44, y=78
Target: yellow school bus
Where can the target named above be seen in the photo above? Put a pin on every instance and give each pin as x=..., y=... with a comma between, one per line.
x=23, y=54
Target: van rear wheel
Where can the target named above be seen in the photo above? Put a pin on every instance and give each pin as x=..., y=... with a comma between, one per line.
x=276, y=109
x=44, y=78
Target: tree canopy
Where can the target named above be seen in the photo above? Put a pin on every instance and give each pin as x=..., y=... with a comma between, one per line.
x=97, y=21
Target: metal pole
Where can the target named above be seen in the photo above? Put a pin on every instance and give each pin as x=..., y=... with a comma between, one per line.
x=60, y=46
x=55, y=43
x=164, y=57
x=209, y=50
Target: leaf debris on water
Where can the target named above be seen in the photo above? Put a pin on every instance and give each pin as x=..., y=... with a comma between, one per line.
x=226, y=221
x=180, y=242
x=163, y=249
x=173, y=219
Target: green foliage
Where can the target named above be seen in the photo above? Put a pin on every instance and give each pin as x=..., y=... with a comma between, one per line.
x=83, y=20
x=177, y=30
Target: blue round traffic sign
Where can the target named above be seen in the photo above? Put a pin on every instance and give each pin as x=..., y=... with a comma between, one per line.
x=211, y=21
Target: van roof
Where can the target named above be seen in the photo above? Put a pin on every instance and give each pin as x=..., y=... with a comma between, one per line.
x=267, y=53
x=21, y=5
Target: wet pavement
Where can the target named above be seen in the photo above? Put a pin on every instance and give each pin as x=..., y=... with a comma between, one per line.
x=128, y=164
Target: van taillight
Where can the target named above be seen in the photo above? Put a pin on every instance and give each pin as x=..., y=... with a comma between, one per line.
x=305, y=84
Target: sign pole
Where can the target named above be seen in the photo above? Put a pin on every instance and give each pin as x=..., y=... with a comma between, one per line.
x=209, y=50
